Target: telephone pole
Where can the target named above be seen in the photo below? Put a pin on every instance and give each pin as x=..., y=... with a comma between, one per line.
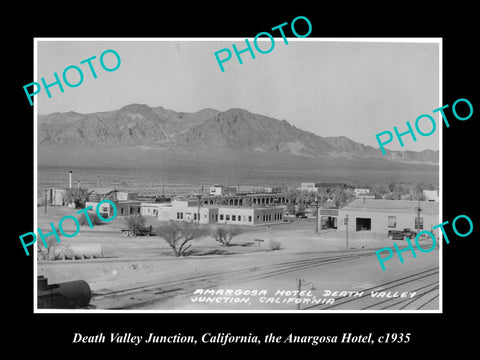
x=300, y=283
x=346, y=223
x=199, y=196
x=419, y=209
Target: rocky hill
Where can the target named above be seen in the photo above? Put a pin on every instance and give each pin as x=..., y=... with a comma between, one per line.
x=233, y=130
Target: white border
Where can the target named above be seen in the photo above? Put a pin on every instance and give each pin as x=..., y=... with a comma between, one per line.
x=438, y=41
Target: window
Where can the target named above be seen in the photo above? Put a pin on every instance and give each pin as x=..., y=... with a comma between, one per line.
x=121, y=211
x=417, y=223
x=239, y=217
x=221, y=216
x=234, y=218
x=227, y=217
x=104, y=209
x=249, y=219
x=195, y=216
x=392, y=221
x=179, y=215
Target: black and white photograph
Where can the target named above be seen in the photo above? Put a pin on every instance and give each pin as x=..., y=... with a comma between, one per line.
x=261, y=187
x=216, y=180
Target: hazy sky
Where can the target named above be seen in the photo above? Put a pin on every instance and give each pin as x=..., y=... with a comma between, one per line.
x=355, y=89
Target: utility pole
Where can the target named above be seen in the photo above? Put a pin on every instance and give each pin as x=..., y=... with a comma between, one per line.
x=419, y=209
x=199, y=196
x=301, y=282
x=346, y=223
x=299, y=288
x=316, y=223
x=46, y=201
x=198, y=212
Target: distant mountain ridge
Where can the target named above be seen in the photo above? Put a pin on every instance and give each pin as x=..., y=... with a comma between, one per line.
x=138, y=125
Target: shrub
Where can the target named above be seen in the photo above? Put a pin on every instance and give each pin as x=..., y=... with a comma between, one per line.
x=135, y=223
x=179, y=234
x=94, y=219
x=47, y=253
x=76, y=196
x=274, y=245
x=224, y=235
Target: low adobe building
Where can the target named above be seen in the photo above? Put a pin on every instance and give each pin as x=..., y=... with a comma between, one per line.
x=380, y=216
x=190, y=211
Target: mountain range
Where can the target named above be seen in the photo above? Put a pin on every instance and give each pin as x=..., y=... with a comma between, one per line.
x=209, y=130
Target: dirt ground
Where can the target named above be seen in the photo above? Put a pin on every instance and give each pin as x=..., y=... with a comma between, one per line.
x=131, y=260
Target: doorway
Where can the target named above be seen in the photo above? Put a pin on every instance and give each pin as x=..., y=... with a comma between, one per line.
x=363, y=224
x=328, y=222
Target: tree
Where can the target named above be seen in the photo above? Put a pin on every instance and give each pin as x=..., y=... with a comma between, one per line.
x=419, y=196
x=391, y=186
x=301, y=208
x=225, y=235
x=76, y=196
x=94, y=219
x=292, y=197
x=342, y=197
x=379, y=190
x=179, y=234
x=135, y=223
x=300, y=197
x=311, y=197
x=291, y=208
x=420, y=187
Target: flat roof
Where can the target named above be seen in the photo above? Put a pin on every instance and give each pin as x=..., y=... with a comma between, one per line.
x=251, y=207
x=392, y=206
x=153, y=203
x=242, y=194
x=213, y=206
x=102, y=190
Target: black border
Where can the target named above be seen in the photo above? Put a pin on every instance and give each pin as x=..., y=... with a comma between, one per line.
x=430, y=332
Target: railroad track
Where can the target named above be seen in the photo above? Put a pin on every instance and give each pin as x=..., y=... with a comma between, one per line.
x=156, y=292
x=424, y=283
